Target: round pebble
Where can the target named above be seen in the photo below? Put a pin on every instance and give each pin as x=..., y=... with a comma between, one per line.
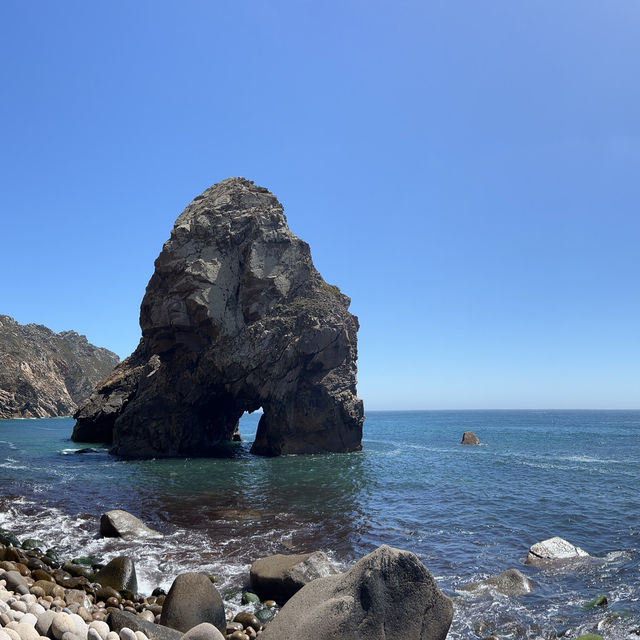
x=28, y=598
x=44, y=622
x=127, y=634
x=238, y=635
x=27, y=632
x=12, y=633
x=69, y=635
x=112, y=635
x=141, y=636
x=29, y=618
x=4, y=636
x=36, y=609
x=147, y=615
x=61, y=624
x=18, y=605
x=92, y=634
x=101, y=628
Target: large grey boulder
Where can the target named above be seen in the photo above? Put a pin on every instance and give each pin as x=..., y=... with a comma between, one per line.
x=121, y=524
x=192, y=600
x=554, y=549
x=387, y=595
x=278, y=577
x=510, y=582
x=235, y=317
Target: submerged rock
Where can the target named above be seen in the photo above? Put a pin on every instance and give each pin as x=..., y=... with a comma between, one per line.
x=387, y=595
x=280, y=576
x=553, y=549
x=235, y=318
x=121, y=524
x=510, y=582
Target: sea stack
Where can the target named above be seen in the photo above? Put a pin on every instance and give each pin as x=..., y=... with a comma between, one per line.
x=235, y=318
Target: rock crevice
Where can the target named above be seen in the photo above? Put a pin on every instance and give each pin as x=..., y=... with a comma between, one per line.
x=235, y=318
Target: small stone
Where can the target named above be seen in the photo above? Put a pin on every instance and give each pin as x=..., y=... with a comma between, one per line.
x=112, y=635
x=68, y=635
x=36, y=609
x=18, y=605
x=250, y=598
x=234, y=626
x=203, y=631
x=101, y=628
x=27, y=632
x=140, y=635
x=269, y=603
x=61, y=624
x=147, y=615
x=127, y=634
x=92, y=634
x=248, y=620
x=238, y=635
x=29, y=618
x=12, y=633
x=265, y=615
x=44, y=622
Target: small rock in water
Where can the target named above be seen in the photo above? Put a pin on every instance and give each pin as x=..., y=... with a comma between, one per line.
x=470, y=438
x=553, y=549
x=120, y=574
x=121, y=524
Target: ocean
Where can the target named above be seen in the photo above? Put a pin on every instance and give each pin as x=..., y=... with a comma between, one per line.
x=467, y=512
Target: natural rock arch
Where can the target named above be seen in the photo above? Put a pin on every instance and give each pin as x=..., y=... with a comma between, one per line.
x=235, y=317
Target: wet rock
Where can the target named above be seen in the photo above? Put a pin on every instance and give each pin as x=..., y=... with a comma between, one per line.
x=119, y=619
x=265, y=615
x=470, y=438
x=121, y=524
x=203, y=631
x=553, y=549
x=249, y=598
x=598, y=601
x=280, y=576
x=15, y=582
x=119, y=574
x=192, y=600
x=387, y=595
x=235, y=317
x=248, y=620
x=510, y=582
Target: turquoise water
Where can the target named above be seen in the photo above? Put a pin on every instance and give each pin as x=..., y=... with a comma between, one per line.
x=468, y=512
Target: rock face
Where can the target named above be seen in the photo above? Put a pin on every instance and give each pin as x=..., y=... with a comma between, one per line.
x=45, y=374
x=279, y=577
x=387, y=595
x=553, y=549
x=235, y=317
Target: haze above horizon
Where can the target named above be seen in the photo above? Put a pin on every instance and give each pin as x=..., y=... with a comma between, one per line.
x=466, y=172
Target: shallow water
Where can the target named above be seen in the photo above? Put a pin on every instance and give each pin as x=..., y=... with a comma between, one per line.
x=468, y=512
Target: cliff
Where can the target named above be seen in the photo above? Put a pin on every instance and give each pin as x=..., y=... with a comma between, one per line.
x=234, y=318
x=46, y=374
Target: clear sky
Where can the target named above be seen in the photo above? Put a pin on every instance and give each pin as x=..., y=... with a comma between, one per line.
x=467, y=171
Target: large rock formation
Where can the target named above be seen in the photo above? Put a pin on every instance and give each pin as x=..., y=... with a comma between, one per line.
x=45, y=374
x=235, y=317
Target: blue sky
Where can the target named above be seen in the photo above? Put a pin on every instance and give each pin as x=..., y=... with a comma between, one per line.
x=468, y=172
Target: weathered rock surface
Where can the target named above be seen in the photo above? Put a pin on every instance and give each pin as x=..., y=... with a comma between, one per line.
x=553, y=549
x=387, y=595
x=510, y=582
x=278, y=577
x=122, y=524
x=191, y=601
x=119, y=574
x=470, y=438
x=119, y=620
x=45, y=374
x=235, y=317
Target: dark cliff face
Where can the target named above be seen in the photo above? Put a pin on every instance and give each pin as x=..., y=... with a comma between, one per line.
x=235, y=317
x=45, y=374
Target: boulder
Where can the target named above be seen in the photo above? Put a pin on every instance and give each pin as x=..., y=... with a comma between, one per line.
x=234, y=318
x=278, y=577
x=192, y=600
x=470, y=438
x=119, y=574
x=553, y=549
x=510, y=582
x=121, y=524
x=387, y=595
x=118, y=620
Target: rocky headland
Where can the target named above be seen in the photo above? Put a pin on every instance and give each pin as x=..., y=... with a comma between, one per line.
x=44, y=374
x=235, y=318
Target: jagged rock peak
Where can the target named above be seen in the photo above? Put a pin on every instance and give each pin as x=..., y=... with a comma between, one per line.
x=45, y=374
x=234, y=318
